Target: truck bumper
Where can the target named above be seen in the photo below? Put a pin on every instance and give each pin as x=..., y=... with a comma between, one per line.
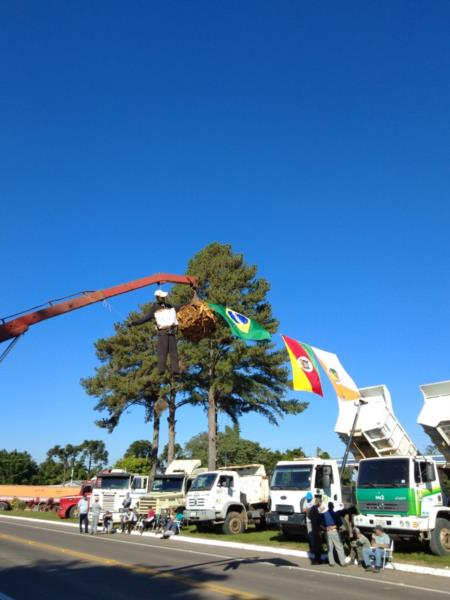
x=201, y=515
x=294, y=519
x=395, y=524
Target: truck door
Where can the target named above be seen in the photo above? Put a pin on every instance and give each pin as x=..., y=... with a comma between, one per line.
x=424, y=478
x=226, y=488
x=326, y=484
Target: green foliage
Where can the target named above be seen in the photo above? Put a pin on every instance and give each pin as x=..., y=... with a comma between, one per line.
x=93, y=455
x=139, y=449
x=322, y=454
x=243, y=377
x=127, y=376
x=232, y=450
x=17, y=467
x=17, y=504
x=133, y=464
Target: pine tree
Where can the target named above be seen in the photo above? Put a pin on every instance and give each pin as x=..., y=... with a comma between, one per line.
x=127, y=378
x=224, y=373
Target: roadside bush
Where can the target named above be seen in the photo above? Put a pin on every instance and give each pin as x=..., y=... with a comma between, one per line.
x=17, y=504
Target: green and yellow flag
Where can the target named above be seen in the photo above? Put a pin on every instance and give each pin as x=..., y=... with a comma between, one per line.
x=240, y=325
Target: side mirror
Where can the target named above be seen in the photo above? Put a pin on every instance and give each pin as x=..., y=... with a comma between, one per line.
x=429, y=472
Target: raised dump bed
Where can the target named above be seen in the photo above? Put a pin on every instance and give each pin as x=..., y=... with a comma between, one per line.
x=435, y=415
x=377, y=432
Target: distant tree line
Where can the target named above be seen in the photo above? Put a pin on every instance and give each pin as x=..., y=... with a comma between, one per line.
x=63, y=463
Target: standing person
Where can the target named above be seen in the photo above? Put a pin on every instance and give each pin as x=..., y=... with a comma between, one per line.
x=83, y=509
x=358, y=543
x=332, y=522
x=307, y=504
x=316, y=530
x=125, y=506
x=96, y=509
x=165, y=315
x=380, y=543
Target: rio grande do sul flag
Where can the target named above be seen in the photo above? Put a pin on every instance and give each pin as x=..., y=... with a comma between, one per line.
x=345, y=387
x=240, y=325
x=305, y=373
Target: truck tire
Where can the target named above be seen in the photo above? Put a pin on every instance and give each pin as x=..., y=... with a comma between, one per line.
x=72, y=513
x=4, y=506
x=440, y=538
x=234, y=523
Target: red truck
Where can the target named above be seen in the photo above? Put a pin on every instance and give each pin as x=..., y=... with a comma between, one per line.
x=68, y=504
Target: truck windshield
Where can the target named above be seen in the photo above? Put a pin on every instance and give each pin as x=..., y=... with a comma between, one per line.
x=392, y=472
x=202, y=483
x=168, y=484
x=291, y=477
x=113, y=483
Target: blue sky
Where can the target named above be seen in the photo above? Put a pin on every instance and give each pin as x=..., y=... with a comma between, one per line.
x=313, y=137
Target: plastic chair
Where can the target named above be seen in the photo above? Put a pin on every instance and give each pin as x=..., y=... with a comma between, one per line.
x=388, y=555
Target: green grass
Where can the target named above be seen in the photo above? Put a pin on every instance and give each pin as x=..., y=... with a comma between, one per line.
x=31, y=514
x=408, y=554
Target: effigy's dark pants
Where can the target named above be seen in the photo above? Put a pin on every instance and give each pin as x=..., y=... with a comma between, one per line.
x=167, y=346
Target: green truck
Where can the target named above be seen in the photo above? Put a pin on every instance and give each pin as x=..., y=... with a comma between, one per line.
x=410, y=495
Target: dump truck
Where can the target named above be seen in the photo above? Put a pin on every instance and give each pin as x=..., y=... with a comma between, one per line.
x=170, y=488
x=368, y=427
x=231, y=497
x=406, y=494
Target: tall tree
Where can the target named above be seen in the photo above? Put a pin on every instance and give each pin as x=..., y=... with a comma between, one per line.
x=17, y=467
x=139, y=449
x=127, y=378
x=94, y=455
x=69, y=458
x=224, y=373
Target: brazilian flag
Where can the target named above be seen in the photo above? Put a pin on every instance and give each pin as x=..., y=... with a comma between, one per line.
x=240, y=325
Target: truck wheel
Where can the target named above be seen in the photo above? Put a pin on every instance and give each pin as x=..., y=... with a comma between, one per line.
x=4, y=506
x=440, y=538
x=234, y=524
x=72, y=513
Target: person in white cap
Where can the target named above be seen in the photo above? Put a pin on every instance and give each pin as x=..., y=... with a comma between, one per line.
x=165, y=315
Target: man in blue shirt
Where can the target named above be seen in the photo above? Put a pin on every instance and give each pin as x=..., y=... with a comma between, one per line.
x=380, y=543
x=332, y=522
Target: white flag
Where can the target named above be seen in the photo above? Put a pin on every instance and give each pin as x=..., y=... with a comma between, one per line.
x=345, y=387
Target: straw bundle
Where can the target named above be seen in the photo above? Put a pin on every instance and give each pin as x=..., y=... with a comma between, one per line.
x=196, y=320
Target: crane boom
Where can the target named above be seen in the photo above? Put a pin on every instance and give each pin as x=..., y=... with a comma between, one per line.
x=18, y=326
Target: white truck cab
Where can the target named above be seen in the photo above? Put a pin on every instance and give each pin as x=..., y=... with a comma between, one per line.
x=112, y=486
x=232, y=497
x=290, y=483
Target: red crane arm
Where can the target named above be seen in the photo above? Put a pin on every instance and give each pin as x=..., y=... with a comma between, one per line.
x=16, y=327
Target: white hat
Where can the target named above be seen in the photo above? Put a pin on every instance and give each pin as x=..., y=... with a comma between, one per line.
x=161, y=293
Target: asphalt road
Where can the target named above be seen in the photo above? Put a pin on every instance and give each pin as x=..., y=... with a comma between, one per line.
x=48, y=561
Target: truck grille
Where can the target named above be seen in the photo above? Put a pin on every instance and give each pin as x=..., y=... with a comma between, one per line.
x=145, y=504
x=196, y=502
x=108, y=502
x=384, y=506
x=284, y=508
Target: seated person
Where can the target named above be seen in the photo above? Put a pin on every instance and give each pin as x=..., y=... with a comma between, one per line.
x=171, y=526
x=358, y=543
x=131, y=520
x=148, y=521
x=380, y=543
x=107, y=522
